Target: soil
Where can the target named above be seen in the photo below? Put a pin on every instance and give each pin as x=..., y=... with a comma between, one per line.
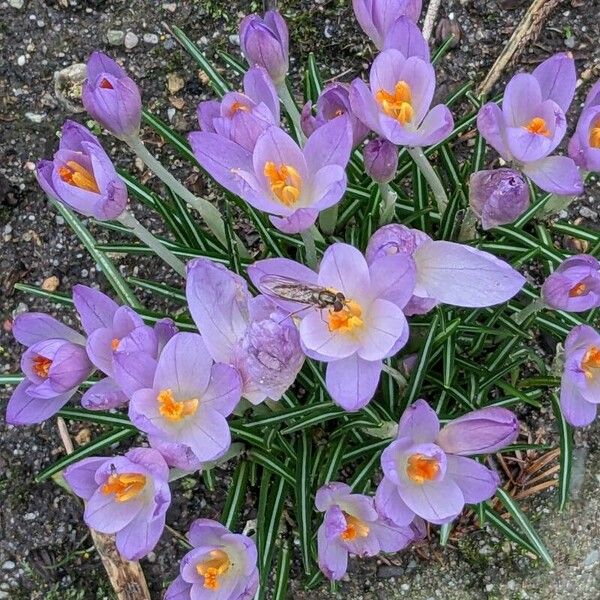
x=45, y=550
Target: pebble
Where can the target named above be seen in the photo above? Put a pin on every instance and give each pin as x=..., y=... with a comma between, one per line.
x=4, y=595
x=115, y=37
x=234, y=39
x=35, y=117
x=131, y=40
x=387, y=571
x=170, y=6
x=9, y=565
x=30, y=516
x=67, y=86
x=16, y=3
x=50, y=284
x=21, y=60
x=591, y=559
x=588, y=213
x=150, y=38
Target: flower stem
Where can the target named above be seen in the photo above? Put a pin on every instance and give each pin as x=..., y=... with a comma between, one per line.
x=432, y=179
x=129, y=221
x=310, y=249
x=292, y=110
x=534, y=306
x=388, y=205
x=209, y=213
x=328, y=219
x=468, y=229
x=556, y=204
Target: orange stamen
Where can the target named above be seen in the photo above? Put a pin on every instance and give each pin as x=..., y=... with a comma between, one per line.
x=595, y=135
x=238, y=106
x=285, y=181
x=115, y=344
x=74, y=174
x=212, y=568
x=124, y=486
x=578, y=290
x=41, y=366
x=422, y=468
x=347, y=319
x=172, y=410
x=591, y=362
x=538, y=126
x=397, y=105
x=354, y=528
x=106, y=84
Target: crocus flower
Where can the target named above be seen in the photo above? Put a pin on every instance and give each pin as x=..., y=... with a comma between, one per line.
x=396, y=106
x=190, y=398
x=124, y=495
x=532, y=123
x=498, y=196
x=333, y=102
x=221, y=565
x=405, y=36
x=352, y=525
x=55, y=364
x=111, y=97
x=176, y=455
x=574, y=286
x=265, y=43
x=369, y=327
x=381, y=160
x=376, y=17
x=584, y=147
x=82, y=176
x=252, y=334
x=444, y=270
x=427, y=472
x=241, y=118
x=291, y=184
x=580, y=384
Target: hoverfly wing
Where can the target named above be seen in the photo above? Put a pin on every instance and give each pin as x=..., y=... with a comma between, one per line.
x=287, y=288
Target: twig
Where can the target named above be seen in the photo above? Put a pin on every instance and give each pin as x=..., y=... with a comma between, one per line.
x=430, y=17
x=525, y=33
x=126, y=577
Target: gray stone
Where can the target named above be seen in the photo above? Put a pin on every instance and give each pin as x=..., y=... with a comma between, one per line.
x=131, y=40
x=591, y=559
x=150, y=38
x=115, y=37
x=387, y=571
x=9, y=565
x=16, y=3
x=67, y=86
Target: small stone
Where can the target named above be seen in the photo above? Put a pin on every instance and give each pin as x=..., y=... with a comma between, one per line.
x=16, y=3
x=591, y=559
x=9, y=565
x=387, y=571
x=170, y=6
x=21, y=60
x=570, y=42
x=83, y=437
x=447, y=28
x=68, y=83
x=234, y=39
x=30, y=516
x=150, y=38
x=35, y=117
x=59, y=220
x=131, y=40
x=175, y=82
x=588, y=213
x=115, y=37
x=50, y=284
x=171, y=113
x=510, y=4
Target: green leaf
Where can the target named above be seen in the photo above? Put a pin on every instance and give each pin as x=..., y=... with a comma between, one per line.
x=304, y=504
x=566, y=454
x=177, y=141
x=233, y=63
x=236, y=496
x=493, y=518
x=445, y=531
x=116, y=420
x=11, y=379
x=268, y=461
x=334, y=460
x=284, y=562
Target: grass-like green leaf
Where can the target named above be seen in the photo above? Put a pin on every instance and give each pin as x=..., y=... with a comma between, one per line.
x=566, y=454
x=304, y=503
x=236, y=495
x=284, y=562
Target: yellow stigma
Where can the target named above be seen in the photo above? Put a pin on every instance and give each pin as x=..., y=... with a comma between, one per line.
x=211, y=569
x=285, y=181
x=347, y=319
x=115, y=344
x=590, y=364
x=74, y=174
x=172, y=410
x=538, y=126
x=422, y=468
x=124, y=486
x=354, y=528
x=41, y=366
x=595, y=135
x=578, y=290
x=238, y=106
x=397, y=105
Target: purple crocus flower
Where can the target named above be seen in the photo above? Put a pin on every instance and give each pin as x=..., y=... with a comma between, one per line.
x=352, y=525
x=371, y=326
x=176, y=455
x=55, y=365
x=584, y=147
x=82, y=176
x=190, y=398
x=444, y=270
x=531, y=124
x=396, y=106
x=575, y=285
x=221, y=566
x=498, y=196
x=381, y=160
x=580, y=384
x=333, y=102
x=124, y=495
x=111, y=97
x=376, y=17
x=427, y=472
x=291, y=184
x=241, y=118
x=265, y=43
x=252, y=334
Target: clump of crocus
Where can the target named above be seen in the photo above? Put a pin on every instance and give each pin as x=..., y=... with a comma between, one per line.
x=444, y=270
x=381, y=160
x=239, y=117
x=333, y=102
x=532, y=123
x=221, y=565
x=124, y=495
x=498, y=196
x=352, y=525
x=369, y=327
x=111, y=97
x=584, y=147
x=82, y=176
x=427, y=472
x=190, y=398
x=396, y=105
x=252, y=334
x=291, y=184
x=580, y=385
x=265, y=43
x=574, y=286
x=55, y=364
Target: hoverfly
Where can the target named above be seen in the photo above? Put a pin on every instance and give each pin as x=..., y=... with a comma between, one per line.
x=287, y=288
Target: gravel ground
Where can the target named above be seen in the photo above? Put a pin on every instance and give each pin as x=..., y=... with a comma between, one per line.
x=43, y=545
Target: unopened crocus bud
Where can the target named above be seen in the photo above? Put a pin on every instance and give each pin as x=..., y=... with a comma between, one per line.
x=584, y=147
x=479, y=432
x=111, y=97
x=498, y=196
x=264, y=42
x=381, y=160
x=82, y=176
x=574, y=286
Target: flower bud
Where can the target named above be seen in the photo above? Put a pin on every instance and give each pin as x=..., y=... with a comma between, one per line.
x=381, y=160
x=498, y=196
x=394, y=239
x=111, y=97
x=264, y=42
